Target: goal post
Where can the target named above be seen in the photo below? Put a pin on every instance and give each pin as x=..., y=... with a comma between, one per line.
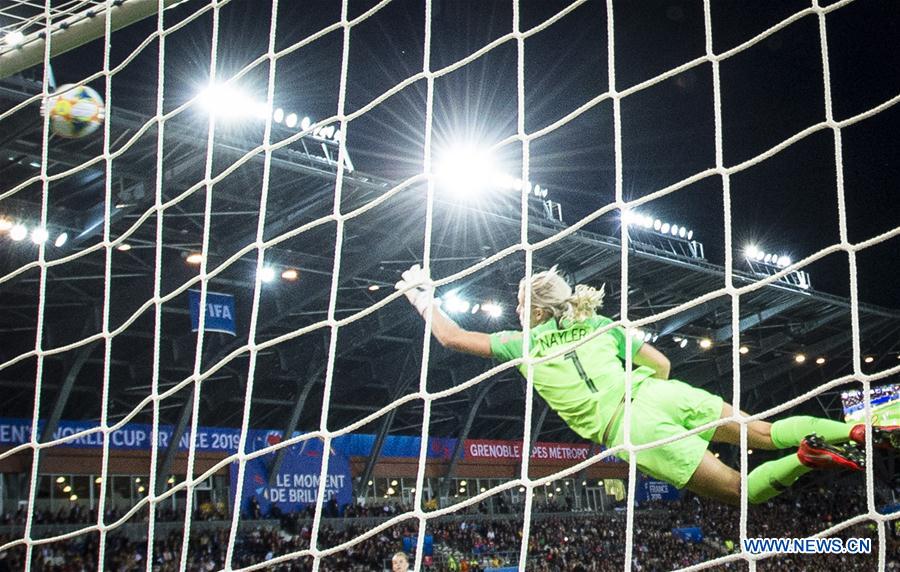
x=74, y=31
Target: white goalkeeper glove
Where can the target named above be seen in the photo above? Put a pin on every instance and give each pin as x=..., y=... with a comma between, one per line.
x=416, y=285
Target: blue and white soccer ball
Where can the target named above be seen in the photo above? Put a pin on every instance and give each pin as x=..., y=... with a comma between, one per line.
x=75, y=112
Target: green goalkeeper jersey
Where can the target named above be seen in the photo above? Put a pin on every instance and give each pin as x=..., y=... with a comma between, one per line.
x=583, y=385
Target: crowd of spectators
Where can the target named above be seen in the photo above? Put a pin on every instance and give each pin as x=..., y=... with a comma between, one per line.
x=581, y=542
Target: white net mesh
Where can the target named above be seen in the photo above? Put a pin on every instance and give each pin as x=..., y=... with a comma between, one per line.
x=117, y=147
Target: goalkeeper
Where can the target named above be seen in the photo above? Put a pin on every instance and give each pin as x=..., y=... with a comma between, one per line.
x=585, y=385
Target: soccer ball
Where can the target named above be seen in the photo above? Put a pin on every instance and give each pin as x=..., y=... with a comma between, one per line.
x=75, y=112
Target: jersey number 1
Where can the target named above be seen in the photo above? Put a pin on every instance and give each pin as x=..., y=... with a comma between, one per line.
x=580, y=369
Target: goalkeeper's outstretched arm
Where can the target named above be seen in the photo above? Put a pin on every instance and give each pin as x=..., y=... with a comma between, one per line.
x=416, y=285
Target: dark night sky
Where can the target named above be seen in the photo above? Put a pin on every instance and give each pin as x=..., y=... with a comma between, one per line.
x=787, y=204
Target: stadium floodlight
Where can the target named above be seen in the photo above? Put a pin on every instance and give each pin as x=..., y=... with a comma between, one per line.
x=73, y=498
x=800, y=358
x=466, y=171
x=475, y=308
x=14, y=38
x=657, y=224
x=124, y=247
x=290, y=274
x=683, y=343
x=374, y=287
x=291, y=120
x=820, y=360
x=194, y=258
x=18, y=232
x=61, y=239
x=690, y=234
x=454, y=304
x=278, y=116
x=750, y=251
x=665, y=228
x=744, y=350
x=5, y=224
x=767, y=259
x=267, y=274
x=784, y=261
x=492, y=309
x=227, y=102
x=305, y=123
x=674, y=230
x=682, y=232
x=39, y=235
x=869, y=359
x=60, y=480
x=67, y=489
x=706, y=343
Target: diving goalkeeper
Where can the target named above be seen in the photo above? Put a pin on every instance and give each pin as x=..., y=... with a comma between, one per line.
x=585, y=385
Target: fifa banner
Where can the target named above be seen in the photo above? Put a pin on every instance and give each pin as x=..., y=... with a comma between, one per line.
x=219, y=312
x=652, y=490
x=885, y=405
x=295, y=486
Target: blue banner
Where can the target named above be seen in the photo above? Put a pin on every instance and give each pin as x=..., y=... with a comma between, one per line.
x=689, y=533
x=651, y=489
x=137, y=437
x=219, y=312
x=295, y=486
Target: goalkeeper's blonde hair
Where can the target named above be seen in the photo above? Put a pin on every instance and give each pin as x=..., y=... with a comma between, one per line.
x=550, y=292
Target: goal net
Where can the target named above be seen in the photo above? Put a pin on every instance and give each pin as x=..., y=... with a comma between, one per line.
x=205, y=355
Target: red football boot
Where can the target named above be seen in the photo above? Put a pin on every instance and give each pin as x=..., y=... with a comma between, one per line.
x=883, y=437
x=816, y=453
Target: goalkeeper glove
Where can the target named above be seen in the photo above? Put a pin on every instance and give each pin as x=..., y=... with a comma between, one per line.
x=417, y=287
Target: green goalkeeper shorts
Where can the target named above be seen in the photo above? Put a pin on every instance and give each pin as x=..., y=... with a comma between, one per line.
x=662, y=409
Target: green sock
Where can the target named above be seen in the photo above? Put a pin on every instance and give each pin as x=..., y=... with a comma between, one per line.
x=787, y=433
x=774, y=477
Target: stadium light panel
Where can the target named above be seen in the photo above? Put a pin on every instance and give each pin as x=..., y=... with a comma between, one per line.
x=267, y=274
x=706, y=343
x=455, y=305
x=374, y=287
x=18, y=232
x=290, y=274
x=665, y=228
x=227, y=102
x=194, y=258
x=5, y=224
x=750, y=251
x=467, y=171
x=61, y=239
x=820, y=360
x=869, y=359
x=73, y=498
x=657, y=224
x=784, y=261
x=67, y=489
x=291, y=120
x=492, y=309
x=124, y=247
x=690, y=234
x=683, y=343
x=305, y=123
x=682, y=232
x=39, y=235
x=744, y=350
x=475, y=308
x=674, y=230
x=278, y=116
x=800, y=358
